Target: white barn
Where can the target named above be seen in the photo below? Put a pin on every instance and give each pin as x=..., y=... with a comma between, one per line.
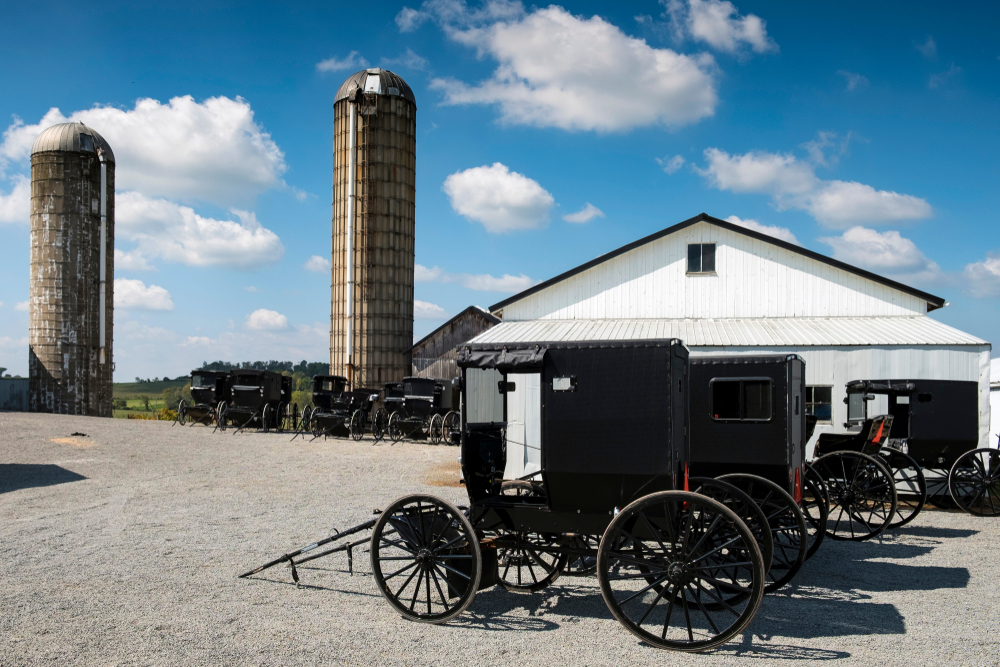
x=724, y=289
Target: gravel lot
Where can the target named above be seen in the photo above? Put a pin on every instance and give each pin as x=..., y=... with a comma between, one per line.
x=122, y=548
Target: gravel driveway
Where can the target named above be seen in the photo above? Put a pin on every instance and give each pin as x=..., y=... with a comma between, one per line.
x=122, y=547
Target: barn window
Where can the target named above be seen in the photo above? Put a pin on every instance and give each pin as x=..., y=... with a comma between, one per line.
x=701, y=258
x=86, y=143
x=819, y=403
x=743, y=399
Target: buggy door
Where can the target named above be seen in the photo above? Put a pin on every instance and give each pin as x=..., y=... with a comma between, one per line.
x=524, y=424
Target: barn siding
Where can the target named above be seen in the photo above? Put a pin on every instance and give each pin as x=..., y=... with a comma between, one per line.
x=651, y=282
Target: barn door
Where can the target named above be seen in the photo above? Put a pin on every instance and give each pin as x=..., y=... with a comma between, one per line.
x=524, y=425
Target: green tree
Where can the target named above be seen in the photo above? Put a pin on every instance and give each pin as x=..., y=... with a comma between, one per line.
x=145, y=402
x=172, y=396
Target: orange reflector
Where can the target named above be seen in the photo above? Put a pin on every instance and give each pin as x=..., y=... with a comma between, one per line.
x=797, y=488
x=686, y=476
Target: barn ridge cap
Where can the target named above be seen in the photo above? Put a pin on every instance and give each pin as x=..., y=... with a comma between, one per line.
x=933, y=302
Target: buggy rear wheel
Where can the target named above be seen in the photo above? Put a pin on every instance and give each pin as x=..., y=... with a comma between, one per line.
x=181, y=413
x=582, y=565
x=280, y=415
x=357, y=426
x=425, y=558
x=265, y=417
x=815, y=508
x=380, y=422
x=221, y=420
x=394, y=430
x=451, y=428
x=911, y=486
x=665, y=556
x=435, y=429
x=744, y=507
x=787, y=524
x=862, y=495
x=974, y=482
x=524, y=562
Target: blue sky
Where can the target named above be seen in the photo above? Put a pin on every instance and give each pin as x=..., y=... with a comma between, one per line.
x=866, y=131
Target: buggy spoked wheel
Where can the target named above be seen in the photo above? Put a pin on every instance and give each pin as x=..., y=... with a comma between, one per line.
x=394, y=429
x=266, y=417
x=744, y=507
x=357, y=426
x=974, y=482
x=787, y=524
x=181, y=413
x=380, y=423
x=451, y=430
x=524, y=564
x=666, y=557
x=220, y=417
x=862, y=495
x=816, y=509
x=435, y=429
x=425, y=558
x=279, y=418
x=582, y=565
x=911, y=486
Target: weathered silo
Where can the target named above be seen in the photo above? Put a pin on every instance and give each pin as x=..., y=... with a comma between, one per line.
x=374, y=160
x=72, y=272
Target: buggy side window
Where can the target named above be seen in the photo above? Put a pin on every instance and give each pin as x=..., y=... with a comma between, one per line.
x=857, y=409
x=744, y=399
x=484, y=403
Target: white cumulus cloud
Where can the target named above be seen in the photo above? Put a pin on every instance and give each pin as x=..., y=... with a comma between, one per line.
x=132, y=260
x=213, y=151
x=353, y=61
x=570, y=72
x=718, y=23
x=670, y=164
x=982, y=279
x=481, y=282
x=794, y=184
x=422, y=310
x=782, y=233
x=853, y=79
x=498, y=198
x=176, y=233
x=15, y=205
x=135, y=294
x=266, y=320
x=886, y=253
x=21, y=305
x=585, y=214
x=317, y=264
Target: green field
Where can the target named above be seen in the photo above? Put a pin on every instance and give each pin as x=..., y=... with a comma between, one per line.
x=151, y=389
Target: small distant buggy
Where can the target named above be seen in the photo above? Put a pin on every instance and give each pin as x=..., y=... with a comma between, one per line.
x=337, y=410
x=259, y=399
x=209, y=389
x=422, y=407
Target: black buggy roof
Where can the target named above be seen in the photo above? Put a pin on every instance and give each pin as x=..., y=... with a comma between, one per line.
x=525, y=356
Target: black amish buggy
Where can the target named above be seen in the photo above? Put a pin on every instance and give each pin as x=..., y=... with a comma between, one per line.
x=421, y=407
x=339, y=411
x=259, y=399
x=680, y=570
x=929, y=443
x=748, y=428
x=209, y=389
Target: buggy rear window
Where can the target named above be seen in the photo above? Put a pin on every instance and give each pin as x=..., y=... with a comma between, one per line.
x=741, y=399
x=198, y=381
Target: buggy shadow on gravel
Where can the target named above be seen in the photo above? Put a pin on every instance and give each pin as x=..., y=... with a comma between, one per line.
x=15, y=476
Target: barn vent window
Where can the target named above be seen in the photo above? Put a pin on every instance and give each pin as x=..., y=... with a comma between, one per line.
x=819, y=403
x=86, y=143
x=743, y=399
x=701, y=258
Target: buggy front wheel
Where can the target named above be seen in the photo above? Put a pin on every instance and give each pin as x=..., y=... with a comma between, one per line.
x=911, y=486
x=451, y=428
x=668, y=562
x=181, y=413
x=394, y=430
x=425, y=558
x=435, y=430
x=357, y=425
x=974, y=482
x=862, y=495
x=220, y=417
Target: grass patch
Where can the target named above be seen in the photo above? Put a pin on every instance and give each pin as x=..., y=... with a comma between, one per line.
x=151, y=389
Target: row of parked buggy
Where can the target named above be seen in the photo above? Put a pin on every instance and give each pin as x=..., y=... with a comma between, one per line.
x=416, y=408
x=680, y=483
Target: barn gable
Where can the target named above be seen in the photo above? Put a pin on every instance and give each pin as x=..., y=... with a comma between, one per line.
x=649, y=279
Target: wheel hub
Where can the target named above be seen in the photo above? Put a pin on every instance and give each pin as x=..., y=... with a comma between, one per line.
x=677, y=573
x=424, y=556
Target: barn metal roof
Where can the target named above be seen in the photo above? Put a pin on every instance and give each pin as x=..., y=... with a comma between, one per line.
x=933, y=302
x=66, y=137
x=761, y=332
x=390, y=83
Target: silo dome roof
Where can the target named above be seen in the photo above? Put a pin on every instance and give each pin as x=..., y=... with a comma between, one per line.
x=375, y=80
x=66, y=137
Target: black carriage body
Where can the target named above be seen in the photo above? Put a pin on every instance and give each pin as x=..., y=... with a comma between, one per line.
x=252, y=389
x=748, y=416
x=210, y=387
x=326, y=390
x=613, y=429
x=935, y=421
x=393, y=396
x=420, y=396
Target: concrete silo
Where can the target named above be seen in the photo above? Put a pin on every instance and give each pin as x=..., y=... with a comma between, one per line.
x=72, y=272
x=374, y=160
